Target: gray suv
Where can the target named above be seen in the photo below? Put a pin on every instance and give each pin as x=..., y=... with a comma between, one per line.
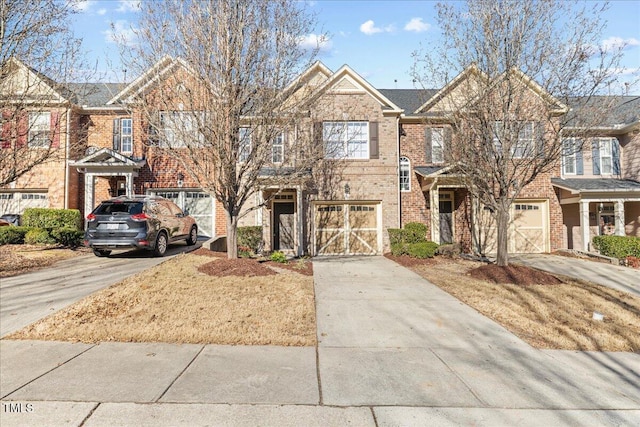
x=145, y=222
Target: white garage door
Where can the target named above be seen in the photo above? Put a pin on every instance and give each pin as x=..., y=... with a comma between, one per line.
x=16, y=203
x=346, y=228
x=528, y=228
x=197, y=203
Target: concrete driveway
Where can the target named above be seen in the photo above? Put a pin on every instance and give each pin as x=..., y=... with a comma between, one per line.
x=32, y=296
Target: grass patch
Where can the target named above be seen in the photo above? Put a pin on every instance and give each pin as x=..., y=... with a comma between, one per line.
x=19, y=259
x=547, y=316
x=175, y=303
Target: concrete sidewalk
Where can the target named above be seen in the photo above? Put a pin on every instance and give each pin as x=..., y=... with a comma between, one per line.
x=614, y=276
x=393, y=350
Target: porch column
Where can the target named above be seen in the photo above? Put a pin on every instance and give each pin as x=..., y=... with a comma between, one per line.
x=618, y=211
x=129, y=179
x=89, y=193
x=434, y=200
x=584, y=224
x=299, y=222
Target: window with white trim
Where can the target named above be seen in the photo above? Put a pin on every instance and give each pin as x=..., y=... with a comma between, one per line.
x=437, y=145
x=244, y=146
x=126, y=135
x=405, y=174
x=40, y=129
x=569, y=149
x=180, y=129
x=277, y=149
x=606, y=156
x=346, y=140
x=523, y=146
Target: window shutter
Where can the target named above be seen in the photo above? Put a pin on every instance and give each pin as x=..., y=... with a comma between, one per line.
x=595, y=154
x=116, y=134
x=615, y=152
x=374, y=147
x=55, y=129
x=6, y=130
x=427, y=145
x=447, y=135
x=579, y=162
x=23, y=129
x=539, y=139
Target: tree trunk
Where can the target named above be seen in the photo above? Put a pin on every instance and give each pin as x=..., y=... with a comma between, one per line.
x=502, y=225
x=232, y=236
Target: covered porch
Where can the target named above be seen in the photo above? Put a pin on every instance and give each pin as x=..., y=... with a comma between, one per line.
x=106, y=163
x=596, y=207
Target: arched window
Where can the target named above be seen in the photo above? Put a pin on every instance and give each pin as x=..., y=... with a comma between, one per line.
x=405, y=174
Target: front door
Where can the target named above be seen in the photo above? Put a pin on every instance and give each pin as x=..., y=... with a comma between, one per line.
x=446, y=221
x=283, y=226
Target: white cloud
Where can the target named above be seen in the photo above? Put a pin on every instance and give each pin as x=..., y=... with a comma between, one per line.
x=81, y=5
x=102, y=12
x=615, y=43
x=416, y=25
x=129, y=5
x=369, y=28
x=121, y=32
x=316, y=41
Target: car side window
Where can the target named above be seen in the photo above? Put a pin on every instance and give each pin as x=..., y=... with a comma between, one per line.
x=163, y=209
x=153, y=208
x=175, y=210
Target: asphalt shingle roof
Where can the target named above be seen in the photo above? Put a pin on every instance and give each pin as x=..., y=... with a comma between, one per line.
x=94, y=94
x=597, y=184
x=408, y=99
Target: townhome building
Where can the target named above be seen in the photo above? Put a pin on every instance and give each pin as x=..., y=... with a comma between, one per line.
x=384, y=165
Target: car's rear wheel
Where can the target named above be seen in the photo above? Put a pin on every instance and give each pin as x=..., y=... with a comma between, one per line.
x=101, y=252
x=193, y=236
x=161, y=244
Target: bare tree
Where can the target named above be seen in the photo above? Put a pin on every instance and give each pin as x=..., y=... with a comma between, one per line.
x=38, y=57
x=229, y=102
x=525, y=66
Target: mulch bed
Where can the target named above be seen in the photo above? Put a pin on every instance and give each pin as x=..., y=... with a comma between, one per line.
x=407, y=261
x=243, y=267
x=249, y=267
x=514, y=274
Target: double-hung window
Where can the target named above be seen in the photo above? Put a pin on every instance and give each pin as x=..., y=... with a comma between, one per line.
x=123, y=135
x=569, y=154
x=524, y=146
x=244, y=146
x=39, y=129
x=606, y=156
x=180, y=129
x=277, y=149
x=405, y=174
x=437, y=145
x=346, y=140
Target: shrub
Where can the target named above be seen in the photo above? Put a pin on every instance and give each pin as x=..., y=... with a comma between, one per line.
x=398, y=248
x=422, y=249
x=68, y=237
x=52, y=218
x=38, y=236
x=250, y=238
x=413, y=232
x=278, y=256
x=617, y=246
x=13, y=235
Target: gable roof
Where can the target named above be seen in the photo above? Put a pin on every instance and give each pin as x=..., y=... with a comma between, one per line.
x=106, y=157
x=596, y=185
x=355, y=82
x=51, y=91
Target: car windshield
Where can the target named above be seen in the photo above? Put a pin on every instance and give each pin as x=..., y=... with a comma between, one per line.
x=108, y=208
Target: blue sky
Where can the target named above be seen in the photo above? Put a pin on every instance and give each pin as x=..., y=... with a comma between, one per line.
x=375, y=38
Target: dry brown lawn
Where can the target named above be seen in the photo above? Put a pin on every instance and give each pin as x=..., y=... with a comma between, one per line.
x=174, y=302
x=551, y=316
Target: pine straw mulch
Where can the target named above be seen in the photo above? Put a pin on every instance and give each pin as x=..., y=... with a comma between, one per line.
x=176, y=302
x=250, y=267
x=548, y=312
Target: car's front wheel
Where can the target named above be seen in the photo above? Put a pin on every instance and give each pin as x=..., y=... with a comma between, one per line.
x=161, y=244
x=193, y=236
x=101, y=252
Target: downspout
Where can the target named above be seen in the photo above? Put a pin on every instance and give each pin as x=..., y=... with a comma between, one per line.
x=66, y=160
x=398, y=172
